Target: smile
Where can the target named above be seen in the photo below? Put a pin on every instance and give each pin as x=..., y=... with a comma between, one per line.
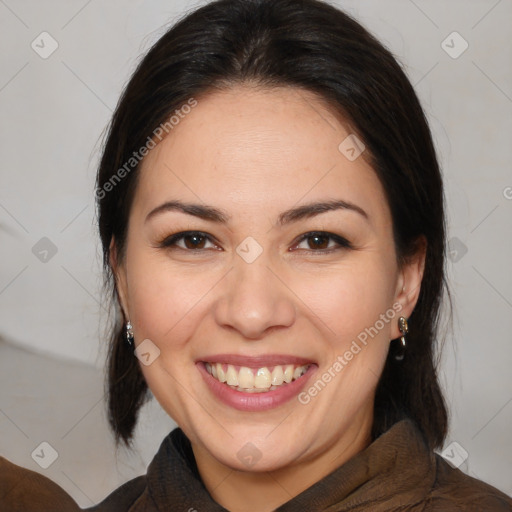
x=255, y=383
x=255, y=380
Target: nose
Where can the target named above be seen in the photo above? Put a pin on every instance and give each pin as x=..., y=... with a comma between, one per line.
x=254, y=301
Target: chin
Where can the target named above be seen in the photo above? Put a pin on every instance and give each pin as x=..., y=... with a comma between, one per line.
x=254, y=453
x=251, y=459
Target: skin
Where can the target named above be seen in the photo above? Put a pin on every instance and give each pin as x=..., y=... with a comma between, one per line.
x=255, y=153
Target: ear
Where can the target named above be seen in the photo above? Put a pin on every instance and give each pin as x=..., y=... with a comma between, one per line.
x=409, y=283
x=119, y=272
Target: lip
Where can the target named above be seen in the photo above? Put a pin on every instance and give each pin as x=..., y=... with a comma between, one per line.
x=256, y=361
x=254, y=402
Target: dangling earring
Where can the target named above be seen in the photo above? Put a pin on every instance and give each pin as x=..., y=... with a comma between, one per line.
x=404, y=329
x=129, y=333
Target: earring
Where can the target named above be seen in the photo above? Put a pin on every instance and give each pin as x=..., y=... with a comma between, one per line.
x=129, y=333
x=404, y=329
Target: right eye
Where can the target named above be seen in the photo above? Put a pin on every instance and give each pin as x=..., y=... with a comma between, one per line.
x=187, y=240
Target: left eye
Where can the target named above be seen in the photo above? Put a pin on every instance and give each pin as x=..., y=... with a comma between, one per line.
x=320, y=241
x=192, y=240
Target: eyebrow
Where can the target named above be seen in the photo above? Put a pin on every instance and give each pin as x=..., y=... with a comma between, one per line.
x=292, y=215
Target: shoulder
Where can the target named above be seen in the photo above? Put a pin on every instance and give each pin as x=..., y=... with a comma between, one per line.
x=454, y=490
x=128, y=497
x=24, y=490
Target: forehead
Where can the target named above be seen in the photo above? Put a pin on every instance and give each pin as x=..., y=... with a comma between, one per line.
x=256, y=150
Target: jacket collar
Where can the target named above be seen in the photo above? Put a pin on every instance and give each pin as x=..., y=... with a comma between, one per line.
x=397, y=469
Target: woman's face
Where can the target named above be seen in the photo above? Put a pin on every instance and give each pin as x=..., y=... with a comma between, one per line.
x=253, y=292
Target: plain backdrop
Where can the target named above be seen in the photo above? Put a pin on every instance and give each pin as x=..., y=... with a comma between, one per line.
x=53, y=111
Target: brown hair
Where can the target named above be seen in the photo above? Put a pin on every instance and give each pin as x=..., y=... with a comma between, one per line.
x=315, y=46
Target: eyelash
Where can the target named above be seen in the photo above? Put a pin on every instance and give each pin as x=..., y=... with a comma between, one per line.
x=171, y=241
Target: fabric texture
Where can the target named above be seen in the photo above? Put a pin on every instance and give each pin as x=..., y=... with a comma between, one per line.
x=396, y=472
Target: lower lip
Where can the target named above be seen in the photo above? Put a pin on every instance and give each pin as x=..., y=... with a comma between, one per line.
x=253, y=402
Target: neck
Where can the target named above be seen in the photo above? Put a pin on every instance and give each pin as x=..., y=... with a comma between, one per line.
x=242, y=491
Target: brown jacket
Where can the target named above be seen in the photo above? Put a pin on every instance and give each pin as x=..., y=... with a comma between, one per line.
x=395, y=473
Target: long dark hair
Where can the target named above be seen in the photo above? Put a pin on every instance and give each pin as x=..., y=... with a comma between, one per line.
x=311, y=45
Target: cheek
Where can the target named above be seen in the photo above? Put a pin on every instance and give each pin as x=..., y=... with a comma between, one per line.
x=165, y=304
x=353, y=308
x=161, y=298
x=350, y=301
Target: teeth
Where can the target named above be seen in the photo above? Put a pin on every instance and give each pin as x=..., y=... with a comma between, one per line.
x=262, y=379
x=288, y=373
x=246, y=378
x=221, y=374
x=297, y=373
x=231, y=376
x=259, y=381
x=277, y=376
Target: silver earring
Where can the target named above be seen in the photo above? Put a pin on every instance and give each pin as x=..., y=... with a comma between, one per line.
x=129, y=333
x=403, y=326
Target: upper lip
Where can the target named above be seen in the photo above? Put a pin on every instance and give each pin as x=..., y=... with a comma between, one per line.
x=256, y=361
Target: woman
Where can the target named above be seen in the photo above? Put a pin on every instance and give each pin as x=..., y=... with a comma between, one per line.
x=271, y=212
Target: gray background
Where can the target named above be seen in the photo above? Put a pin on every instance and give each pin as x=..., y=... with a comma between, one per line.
x=53, y=111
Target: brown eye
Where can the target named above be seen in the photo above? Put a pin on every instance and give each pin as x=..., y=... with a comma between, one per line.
x=318, y=242
x=323, y=242
x=188, y=240
x=194, y=241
